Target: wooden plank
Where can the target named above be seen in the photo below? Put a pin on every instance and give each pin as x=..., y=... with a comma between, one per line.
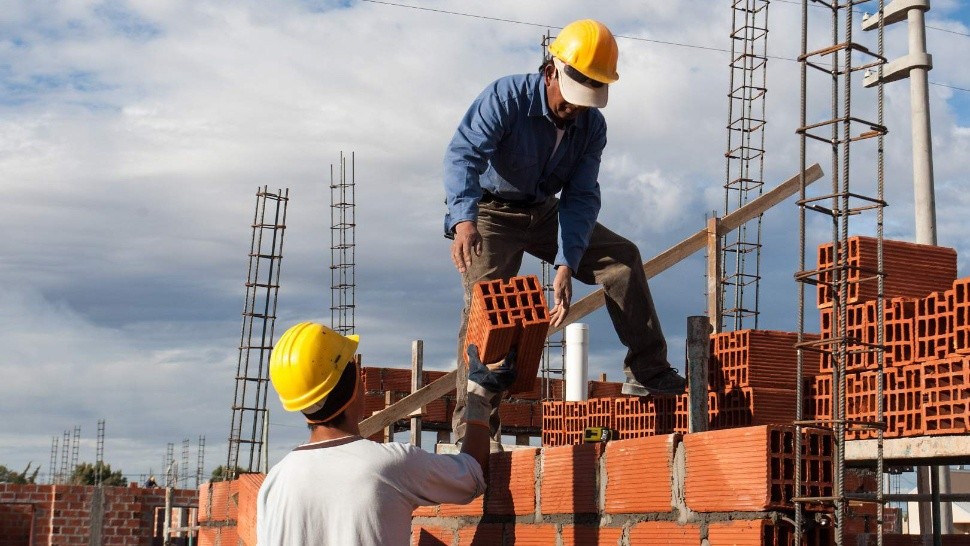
x=593, y=301
x=697, y=241
x=403, y=407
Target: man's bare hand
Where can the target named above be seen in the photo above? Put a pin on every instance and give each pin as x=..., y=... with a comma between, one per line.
x=562, y=291
x=467, y=242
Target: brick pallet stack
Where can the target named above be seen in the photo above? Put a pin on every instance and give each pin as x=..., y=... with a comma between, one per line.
x=925, y=338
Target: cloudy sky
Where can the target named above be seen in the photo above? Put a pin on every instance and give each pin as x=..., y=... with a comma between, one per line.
x=135, y=134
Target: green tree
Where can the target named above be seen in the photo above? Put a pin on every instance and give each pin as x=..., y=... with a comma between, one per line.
x=86, y=474
x=219, y=474
x=10, y=476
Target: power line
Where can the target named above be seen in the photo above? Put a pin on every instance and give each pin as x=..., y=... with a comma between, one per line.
x=637, y=38
x=798, y=2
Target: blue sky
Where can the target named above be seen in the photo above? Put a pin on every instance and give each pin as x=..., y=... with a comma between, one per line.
x=135, y=134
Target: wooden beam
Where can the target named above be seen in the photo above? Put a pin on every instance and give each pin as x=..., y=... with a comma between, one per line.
x=403, y=407
x=698, y=241
x=436, y=389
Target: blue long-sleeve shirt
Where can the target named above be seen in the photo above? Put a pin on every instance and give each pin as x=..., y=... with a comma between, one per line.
x=504, y=146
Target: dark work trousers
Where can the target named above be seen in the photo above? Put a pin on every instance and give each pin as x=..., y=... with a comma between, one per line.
x=610, y=260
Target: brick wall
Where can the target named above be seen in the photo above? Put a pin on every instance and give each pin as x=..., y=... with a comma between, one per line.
x=63, y=514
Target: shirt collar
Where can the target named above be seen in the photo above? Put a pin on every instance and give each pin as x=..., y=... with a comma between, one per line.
x=540, y=107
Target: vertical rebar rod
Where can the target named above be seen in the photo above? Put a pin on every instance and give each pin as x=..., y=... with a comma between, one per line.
x=99, y=460
x=257, y=333
x=52, y=466
x=739, y=279
x=343, y=247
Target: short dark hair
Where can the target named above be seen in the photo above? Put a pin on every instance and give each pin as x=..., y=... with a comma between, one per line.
x=545, y=63
x=333, y=412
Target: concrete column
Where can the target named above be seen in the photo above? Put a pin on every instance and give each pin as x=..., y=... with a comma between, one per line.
x=923, y=197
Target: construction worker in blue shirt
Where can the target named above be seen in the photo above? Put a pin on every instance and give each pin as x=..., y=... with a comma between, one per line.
x=525, y=139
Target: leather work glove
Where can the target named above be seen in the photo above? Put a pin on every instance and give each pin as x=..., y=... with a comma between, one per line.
x=484, y=383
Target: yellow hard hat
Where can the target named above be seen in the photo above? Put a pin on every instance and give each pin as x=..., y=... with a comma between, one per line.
x=589, y=47
x=307, y=362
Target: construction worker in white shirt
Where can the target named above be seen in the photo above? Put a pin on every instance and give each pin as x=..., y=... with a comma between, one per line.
x=341, y=489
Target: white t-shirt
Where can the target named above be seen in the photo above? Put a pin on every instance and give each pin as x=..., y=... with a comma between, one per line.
x=352, y=491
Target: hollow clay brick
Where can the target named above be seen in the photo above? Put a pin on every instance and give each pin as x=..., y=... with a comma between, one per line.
x=639, y=475
x=505, y=314
x=568, y=483
x=665, y=532
x=474, y=508
x=511, y=483
x=911, y=269
x=946, y=395
x=757, y=358
x=934, y=326
x=422, y=535
x=483, y=534
x=523, y=534
x=590, y=535
x=751, y=469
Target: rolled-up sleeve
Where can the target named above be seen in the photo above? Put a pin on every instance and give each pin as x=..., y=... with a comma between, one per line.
x=484, y=124
x=579, y=202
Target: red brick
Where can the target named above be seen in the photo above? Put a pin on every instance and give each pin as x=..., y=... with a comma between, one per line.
x=590, y=535
x=511, y=483
x=638, y=475
x=934, y=326
x=503, y=315
x=569, y=480
x=248, y=487
x=515, y=415
x=425, y=511
x=911, y=270
x=751, y=469
x=483, y=534
x=473, y=508
x=431, y=536
x=757, y=358
x=552, y=423
x=946, y=395
x=669, y=533
x=533, y=535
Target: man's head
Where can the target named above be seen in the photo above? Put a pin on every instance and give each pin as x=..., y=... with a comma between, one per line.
x=313, y=372
x=583, y=65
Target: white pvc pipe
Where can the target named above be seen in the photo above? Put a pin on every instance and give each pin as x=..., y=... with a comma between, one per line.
x=577, y=361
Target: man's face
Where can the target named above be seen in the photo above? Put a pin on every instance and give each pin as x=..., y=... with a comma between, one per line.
x=560, y=108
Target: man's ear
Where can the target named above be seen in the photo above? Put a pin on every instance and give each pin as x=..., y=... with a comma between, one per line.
x=548, y=72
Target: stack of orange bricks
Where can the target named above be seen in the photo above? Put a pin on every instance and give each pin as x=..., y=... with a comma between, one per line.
x=926, y=340
x=507, y=315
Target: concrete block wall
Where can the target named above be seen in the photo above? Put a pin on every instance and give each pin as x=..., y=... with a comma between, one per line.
x=73, y=514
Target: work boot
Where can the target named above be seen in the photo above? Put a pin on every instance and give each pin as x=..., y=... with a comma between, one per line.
x=665, y=382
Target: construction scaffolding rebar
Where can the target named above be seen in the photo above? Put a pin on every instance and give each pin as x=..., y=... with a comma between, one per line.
x=247, y=432
x=99, y=461
x=169, y=465
x=184, y=468
x=744, y=178
x=343, y=281
x=52, y=466
x=200, y=462
x=62, y=474
x=839, y=130
x=75, y=450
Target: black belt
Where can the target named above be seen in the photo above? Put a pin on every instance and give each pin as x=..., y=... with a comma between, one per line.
x=488, y=197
